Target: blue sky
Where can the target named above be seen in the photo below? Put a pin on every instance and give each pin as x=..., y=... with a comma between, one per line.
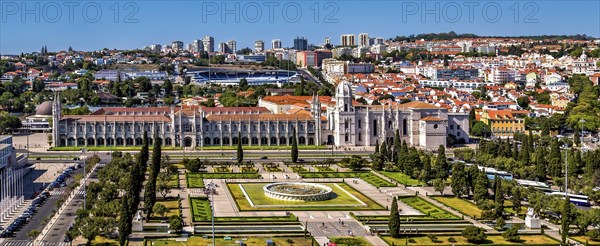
x=140, y=23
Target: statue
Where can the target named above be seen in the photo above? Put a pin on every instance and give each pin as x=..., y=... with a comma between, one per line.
x=532, y=221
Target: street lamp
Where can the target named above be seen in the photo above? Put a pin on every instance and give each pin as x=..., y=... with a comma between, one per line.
x=582, y=121
x=84, y=177
x=212, y=188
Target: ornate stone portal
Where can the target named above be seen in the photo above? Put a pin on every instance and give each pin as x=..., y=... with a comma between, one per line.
x=298, y=191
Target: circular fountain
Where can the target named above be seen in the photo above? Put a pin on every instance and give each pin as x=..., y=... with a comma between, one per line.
x=298, y=191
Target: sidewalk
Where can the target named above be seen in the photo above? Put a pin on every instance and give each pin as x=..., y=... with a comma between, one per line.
x=186, y=211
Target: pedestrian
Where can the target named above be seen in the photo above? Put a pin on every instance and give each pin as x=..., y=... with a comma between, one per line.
x=339, y=221
x=342, y=222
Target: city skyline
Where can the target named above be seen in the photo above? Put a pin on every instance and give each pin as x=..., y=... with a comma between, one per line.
x=136, y=25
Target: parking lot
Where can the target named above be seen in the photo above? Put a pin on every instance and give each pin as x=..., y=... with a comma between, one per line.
x=42, y=202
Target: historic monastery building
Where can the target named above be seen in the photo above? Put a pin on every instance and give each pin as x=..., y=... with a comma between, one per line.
x=319, y=120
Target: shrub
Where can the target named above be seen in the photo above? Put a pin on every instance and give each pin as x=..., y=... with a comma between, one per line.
x=412, y=240
x=432, y=237
x=474, y=234
x=512, y=235
x=451, y=240
x=500, y=223
x=594, y=235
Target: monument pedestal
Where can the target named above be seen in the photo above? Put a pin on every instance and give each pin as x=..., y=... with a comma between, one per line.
x=532, y=221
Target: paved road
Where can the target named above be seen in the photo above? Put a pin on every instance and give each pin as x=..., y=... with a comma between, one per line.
x=306, y=74
x=67, y=217
x=43, y=212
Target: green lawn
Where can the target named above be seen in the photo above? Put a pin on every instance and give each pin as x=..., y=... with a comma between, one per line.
x=491, y=240
x=298, y=168
x=290, y=218
x=200, y=209
x=366, y=176
x=174, y=181
x=584, y=239
x=463, y=206
x=172, y=205
x=194, y=180
x=427, y=208
x=114, y=148
x=234, y=147
x=250, y=241
x=340, y=201
x=350, y=241
x=402, y=178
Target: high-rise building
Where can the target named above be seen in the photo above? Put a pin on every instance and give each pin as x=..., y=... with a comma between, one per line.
x=259, y=46
x=177, y=46
x=276, y=44
x=12, y=171
x=363, y=39
x=209, y=43
x=196, y=46
x=223, y=48
x=232, y=46
x=300, y=43
x=348, y=40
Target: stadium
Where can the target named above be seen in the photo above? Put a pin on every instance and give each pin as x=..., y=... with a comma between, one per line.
x=233, y=77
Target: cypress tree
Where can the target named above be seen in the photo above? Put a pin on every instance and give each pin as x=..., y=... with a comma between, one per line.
x=394, y=220
x=498, y=197
x=294, y=146
x=150, y=189
x=125, y=218
x=377, y=146
x=540, y=163
x=145, y=153
x=240, y=150
x=383, y=150
x=441, y=163
x=565, y=220
x=396, y=150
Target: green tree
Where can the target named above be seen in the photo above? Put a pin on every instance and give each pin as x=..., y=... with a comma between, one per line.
x=481, y=184
x=162, y=184
x=160, y=209
x=33, y=234
x=438, y=185
x=356, y=163
x=294, y=146
x=540, y=163
x=459, y=180
x=175, y=223
x=523, y=102
x=394, y=220
x=240, y=150
x=480, y=129
x=442, y=163
x=498, y=197
x=89, y=230
x=474, y=234
x=150, y=189
x=125, y=220
x=500, y=223
x=565, y=220
x=512, y=235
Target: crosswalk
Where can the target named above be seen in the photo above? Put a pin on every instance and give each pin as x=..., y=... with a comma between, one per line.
x=63, y=192
x=30, y=243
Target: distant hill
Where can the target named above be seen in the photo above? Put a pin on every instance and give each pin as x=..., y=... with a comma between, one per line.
x=453, y=35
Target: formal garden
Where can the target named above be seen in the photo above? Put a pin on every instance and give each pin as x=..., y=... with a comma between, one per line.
x=251, y=197
x=458, y=239
x=368, y=177
x=427, y=208
x=402, y=178
x=196, y=180
x=227, y=241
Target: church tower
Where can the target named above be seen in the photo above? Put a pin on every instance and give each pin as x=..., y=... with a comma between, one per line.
x=344, y=116
x=316, y=114
x=56, y=116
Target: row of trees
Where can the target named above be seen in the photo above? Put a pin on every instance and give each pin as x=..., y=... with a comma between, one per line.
x=397, y=156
